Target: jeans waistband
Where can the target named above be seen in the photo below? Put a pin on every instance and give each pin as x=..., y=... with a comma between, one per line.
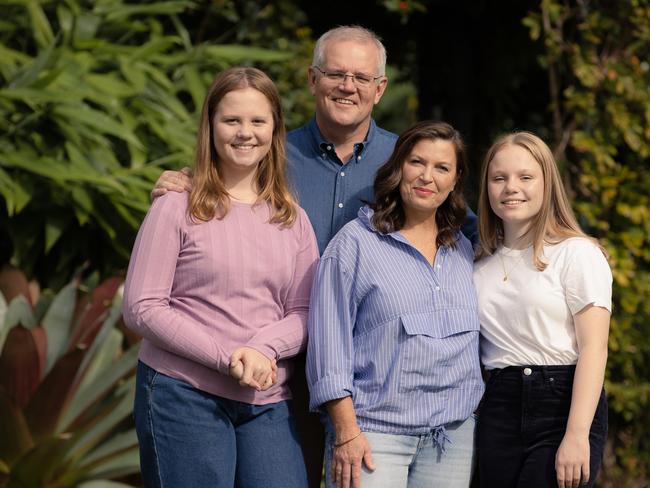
x=528, y=370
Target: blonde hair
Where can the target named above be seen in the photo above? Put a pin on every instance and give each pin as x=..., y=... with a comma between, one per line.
x=209, y=197
x=555, y=221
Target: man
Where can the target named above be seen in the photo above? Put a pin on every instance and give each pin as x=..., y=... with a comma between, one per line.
x=334, y=157
x=332, y=161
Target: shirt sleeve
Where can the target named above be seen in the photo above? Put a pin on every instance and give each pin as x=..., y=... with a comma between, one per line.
x=332, y=315
x=587, y=277
x=149, y=280
x=470, y=226
x=288, y=336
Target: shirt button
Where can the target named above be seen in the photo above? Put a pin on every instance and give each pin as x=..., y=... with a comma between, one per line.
x=528, y=371
x=329, y=148
x=358, y=158
x=437, y=288
x=342, y=173
x=438, y=266
x=323, y=154
x=340, y=205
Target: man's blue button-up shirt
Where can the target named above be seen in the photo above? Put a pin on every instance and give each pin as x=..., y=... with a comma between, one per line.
x=330, y=191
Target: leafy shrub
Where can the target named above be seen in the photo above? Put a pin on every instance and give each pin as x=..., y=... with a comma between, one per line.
x=597, y=57
x=95, y=98
x=66, y=386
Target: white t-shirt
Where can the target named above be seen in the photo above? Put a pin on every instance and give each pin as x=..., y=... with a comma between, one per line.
x=528, y=318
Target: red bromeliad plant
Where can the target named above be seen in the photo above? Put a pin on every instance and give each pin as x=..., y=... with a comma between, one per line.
x=66, y=386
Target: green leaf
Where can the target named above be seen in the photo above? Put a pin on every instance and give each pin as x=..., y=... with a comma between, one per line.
x=83, y=204
x=86, y=26
x=123, y=464
x=15, y=195
x=43, y=303
x=18, y=312
x=40, y=165
x=194, y=85
x=57, y=321
x=95, y=119
x=88, y=394
x=103, y=422
x=155, y=46
x=53, y=229
x=42, y=29
x=133, y=73
x=120, y=11
x=234, y=53
x=30, y=72
x=117, y=444
x=36, y=467
x=14, y=431
x=110, y=84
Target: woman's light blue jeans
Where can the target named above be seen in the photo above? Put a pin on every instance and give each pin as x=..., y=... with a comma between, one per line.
x=190, y=438
x=416, y=461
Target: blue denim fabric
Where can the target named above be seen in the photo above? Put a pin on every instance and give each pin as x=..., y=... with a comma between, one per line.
x=522, y=420
x=416, y=461
x=189, y=438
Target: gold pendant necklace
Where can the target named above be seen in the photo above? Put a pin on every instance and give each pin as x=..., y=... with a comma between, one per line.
x=506, y=273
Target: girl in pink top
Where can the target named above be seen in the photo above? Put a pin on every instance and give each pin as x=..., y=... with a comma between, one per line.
x=218, y=286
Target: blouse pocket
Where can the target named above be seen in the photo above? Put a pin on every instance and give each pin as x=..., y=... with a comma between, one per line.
x=439, y=351
x=441, y=323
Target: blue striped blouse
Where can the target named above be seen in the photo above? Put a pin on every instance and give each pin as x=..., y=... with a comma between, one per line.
x=393, y=332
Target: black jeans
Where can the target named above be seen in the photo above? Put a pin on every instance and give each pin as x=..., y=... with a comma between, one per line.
x=522, y=420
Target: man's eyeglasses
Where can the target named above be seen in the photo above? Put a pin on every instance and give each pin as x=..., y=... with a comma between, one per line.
x=358, y=79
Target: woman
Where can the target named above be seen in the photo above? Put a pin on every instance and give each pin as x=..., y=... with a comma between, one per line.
x=218, y=286
x=544, y=292
x=393, y=326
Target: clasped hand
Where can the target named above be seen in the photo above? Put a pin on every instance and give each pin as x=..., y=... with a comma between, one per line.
x=253, y=369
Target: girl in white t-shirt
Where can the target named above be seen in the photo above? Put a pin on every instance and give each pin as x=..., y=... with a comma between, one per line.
x=544, y=290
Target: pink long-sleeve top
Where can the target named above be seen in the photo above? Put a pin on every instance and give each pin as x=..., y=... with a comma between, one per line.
x=197, y=291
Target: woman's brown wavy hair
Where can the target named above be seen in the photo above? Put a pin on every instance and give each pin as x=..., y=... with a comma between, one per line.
x=389, y=213
x=209, y=197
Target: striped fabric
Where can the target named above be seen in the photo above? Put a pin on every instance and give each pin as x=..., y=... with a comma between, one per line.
x=399, y=336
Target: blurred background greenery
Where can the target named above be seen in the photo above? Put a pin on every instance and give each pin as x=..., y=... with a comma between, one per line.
x=97, y=97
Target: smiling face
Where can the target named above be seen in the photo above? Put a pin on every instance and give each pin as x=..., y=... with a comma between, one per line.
x=242, y=131
x=343, y=105
x=429, y=174
x=515, y=187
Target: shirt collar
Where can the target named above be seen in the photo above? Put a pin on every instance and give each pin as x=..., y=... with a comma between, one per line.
x=320, y=144
x=365, y=216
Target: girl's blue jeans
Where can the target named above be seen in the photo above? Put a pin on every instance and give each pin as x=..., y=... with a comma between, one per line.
x=190, y=438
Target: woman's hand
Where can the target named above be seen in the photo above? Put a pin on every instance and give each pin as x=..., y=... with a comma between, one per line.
x=253, y=369
x=347, y=459
x=178, y=181
x=572, y=461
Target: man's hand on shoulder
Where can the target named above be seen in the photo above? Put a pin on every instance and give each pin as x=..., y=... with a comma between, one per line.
x=178, y=181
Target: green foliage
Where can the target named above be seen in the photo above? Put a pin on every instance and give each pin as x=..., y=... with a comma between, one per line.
x=95, y=97
x=66, y=389
x=397, y=110
x=597, y=55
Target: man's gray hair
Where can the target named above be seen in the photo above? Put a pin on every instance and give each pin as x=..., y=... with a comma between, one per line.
x=350, y=33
